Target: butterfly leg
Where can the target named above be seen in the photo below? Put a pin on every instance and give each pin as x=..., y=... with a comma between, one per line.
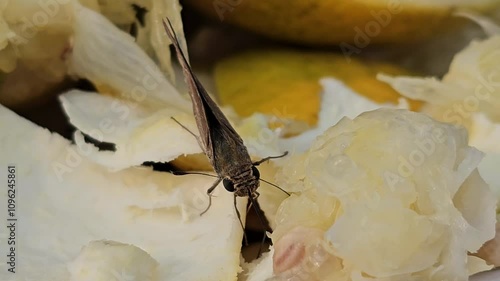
x=184, y=127
x=255, y=195
x=209, y=193
x=257, y=163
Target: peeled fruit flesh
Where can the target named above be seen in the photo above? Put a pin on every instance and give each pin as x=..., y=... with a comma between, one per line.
x=112, y=261
x=396, y=196
x=490, y=251
x=66, y=200
x=471, y=85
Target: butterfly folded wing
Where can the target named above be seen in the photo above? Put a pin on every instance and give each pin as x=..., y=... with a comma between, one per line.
x=220, y=142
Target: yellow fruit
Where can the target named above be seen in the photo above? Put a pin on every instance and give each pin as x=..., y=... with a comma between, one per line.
x=327, y=22
x=286, y=83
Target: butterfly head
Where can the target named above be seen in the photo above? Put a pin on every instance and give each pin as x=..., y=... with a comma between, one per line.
x=244, y=184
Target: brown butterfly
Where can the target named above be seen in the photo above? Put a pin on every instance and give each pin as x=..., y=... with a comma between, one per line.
x=221, y=144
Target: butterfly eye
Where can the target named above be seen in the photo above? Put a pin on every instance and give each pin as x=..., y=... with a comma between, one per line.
x=228, y=185
x=255, y=172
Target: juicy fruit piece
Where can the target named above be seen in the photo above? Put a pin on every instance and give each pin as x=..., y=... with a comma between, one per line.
x=24, y=38
x=468, y=95
x=31, y=52
x=304, y=253
x=338, y=101
x=112, y=261
x=291, y=253
x=330, y=22
x=133, y=127
x=54, y=40
x=150, y=34
x=286, y=83
x=290, y=250
x=406, y=200
x=490, y=251
x=470, y=86
x=117, y=66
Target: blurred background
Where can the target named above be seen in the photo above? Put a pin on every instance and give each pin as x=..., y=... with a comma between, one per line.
x=274, y=48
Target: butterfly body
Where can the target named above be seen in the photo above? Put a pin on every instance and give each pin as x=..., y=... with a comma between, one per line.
x=221, y=144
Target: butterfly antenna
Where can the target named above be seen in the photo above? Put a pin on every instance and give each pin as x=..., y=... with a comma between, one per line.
x=275, y=185
x=182, y=173
x=257, y=163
